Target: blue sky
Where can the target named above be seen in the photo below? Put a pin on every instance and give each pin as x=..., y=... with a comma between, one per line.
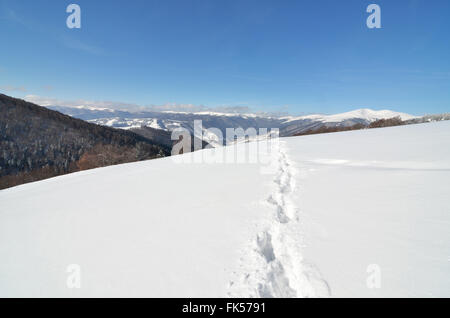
x=311, y=56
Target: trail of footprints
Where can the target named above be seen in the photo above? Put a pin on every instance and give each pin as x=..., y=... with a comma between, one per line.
x=275, y=268
x=285, y=186
x=277, y=283
x=286, y=275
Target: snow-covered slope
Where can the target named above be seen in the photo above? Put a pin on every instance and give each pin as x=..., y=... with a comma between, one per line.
x=378, y=200
x=332, y=215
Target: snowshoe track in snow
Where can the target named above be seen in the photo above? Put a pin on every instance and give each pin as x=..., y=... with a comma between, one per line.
x=279, y=270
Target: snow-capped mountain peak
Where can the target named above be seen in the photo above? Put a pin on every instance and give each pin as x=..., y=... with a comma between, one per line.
x=365, y=114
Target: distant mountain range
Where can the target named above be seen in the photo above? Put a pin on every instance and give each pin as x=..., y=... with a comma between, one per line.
x=167, y=121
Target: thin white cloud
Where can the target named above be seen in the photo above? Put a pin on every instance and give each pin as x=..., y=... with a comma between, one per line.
x=82, y=103
x=50, y=101
x=81, y=46
x=11, y=88
x=188, y=108
x=14, y=17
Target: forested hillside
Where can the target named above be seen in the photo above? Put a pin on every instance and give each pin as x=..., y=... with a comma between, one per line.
x=37, y=143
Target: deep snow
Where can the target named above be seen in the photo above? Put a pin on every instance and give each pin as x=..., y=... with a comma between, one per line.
x=328, y=209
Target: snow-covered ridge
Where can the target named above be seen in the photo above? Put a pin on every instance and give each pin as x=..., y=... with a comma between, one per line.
x=364, y=114
x=169, y=120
